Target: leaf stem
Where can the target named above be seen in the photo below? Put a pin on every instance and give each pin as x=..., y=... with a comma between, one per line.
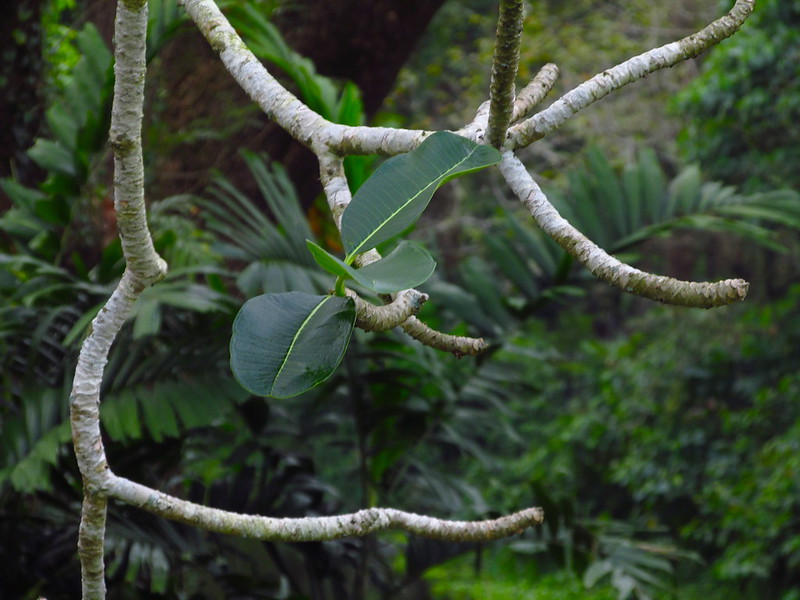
x=339, y=288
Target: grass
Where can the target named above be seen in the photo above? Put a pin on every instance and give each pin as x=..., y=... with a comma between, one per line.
x=506, y=576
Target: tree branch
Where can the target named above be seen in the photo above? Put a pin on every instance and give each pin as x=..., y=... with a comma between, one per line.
x=382, y=318
x=606, y=267
x=504, y=70
x=535, y=92
x=143, y=267
x=280, y=105
x=309, y=529
x=632, y=69
x=455, y=344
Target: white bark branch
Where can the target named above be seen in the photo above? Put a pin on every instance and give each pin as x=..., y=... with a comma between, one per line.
x=632, y=69
x=143, y=267
x=455, y=344
x=388, y=316
x=504, y=70
x=535, y=92
x=302, y=123
x=606, y=267
x=309, y=529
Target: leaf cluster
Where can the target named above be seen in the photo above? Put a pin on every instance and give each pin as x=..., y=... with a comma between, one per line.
x=745, y=106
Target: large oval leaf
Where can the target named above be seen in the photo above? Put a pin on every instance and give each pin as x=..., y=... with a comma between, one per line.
x=285, y=344
x=397, y=193
x=407, y=266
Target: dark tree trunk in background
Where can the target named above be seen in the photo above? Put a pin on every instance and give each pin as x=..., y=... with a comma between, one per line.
x=365, y=41
x=20, y=88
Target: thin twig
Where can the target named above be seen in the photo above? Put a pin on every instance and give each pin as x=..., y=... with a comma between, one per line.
x=455, y=344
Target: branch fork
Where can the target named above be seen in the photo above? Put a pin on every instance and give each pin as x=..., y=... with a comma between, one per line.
x=502, y=121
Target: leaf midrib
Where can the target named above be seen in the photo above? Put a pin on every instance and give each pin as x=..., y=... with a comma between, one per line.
x=348, y=259
x=294, y=340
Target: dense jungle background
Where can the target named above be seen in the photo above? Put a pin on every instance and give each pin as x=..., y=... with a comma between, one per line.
x=663, y=443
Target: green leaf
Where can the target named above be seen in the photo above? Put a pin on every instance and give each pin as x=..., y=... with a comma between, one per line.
x=395, y=196
x=21, y=196
x=62, y=125
x=407, y=266
x=285, y=344
x=52, y=156
x=332, y=264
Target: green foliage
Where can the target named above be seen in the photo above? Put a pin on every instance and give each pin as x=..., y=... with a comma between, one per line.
x=285, y=344
x=405, y=267
x=745, y=106
x=59, y=42
x=78, y=121
x=690, y=422
x=395, y=196
x=618, y=209
x=504, y=577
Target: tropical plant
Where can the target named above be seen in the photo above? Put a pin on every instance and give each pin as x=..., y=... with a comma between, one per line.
x=743, y=107
x=330, y=142
x=621, y=209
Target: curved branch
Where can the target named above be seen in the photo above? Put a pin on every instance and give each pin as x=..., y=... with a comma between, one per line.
x=382, y=318
x=308, y=529
x=504, y=70
x=624, y=73
x=280, y=105
x=535, y=92
x=143, y=267
x=475, y=130
x=606, y=267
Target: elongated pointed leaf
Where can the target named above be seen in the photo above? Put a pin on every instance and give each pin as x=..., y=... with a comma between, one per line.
x=407, y=266
x=285, y=344
x=395, y=196
x=331, y=263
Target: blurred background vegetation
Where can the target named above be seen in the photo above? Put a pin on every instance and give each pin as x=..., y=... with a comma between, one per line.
x=663, y=443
